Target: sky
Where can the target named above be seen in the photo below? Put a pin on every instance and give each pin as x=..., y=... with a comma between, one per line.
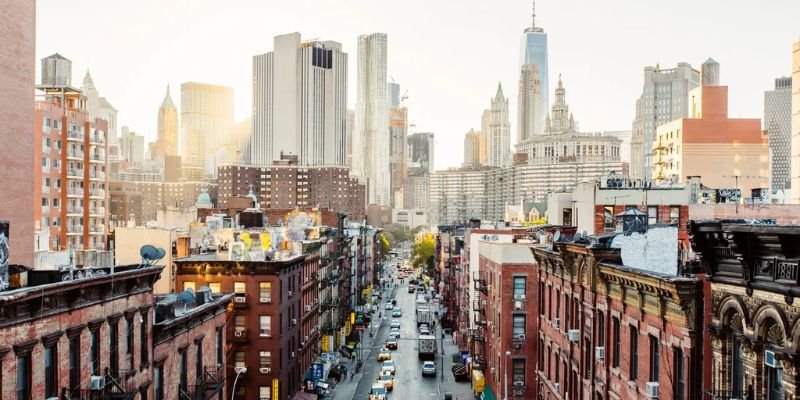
x=449, y=55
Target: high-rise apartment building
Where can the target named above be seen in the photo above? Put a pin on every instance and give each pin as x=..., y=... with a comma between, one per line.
x=529, y=118
x=17, y=113
x=663, y=99
x=394, y=94
x=371, y=140
x=796, y=123
x=533, y=53
x=99, y=107
x=300, y=102
x=70, y=183
x=420, y=152
x=778, y=124
x=472, y=149
x=497, y=128
x=398, y=130
x=131, y=147
x=206, y=120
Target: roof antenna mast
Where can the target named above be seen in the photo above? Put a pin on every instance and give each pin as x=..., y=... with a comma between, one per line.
x=533, y=14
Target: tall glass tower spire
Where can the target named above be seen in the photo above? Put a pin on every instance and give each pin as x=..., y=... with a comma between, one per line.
x=534, y=51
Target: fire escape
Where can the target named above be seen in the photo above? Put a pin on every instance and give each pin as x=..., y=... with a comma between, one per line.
x=479, y=333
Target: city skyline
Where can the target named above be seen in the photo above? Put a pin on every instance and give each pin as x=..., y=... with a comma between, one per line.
x=442, y=98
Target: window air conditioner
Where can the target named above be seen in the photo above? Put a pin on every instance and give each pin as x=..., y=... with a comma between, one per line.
x=290, y=293
x=239, y=299
x=557, y=323
x=96, y=382
x=519, y=383
x=292, y=355
x=264, y=370
x=517, y=305
x=519, y=297
x=600, y=352
x=770, y=360
x=308, y=307
x=574, y=335
x=238, y=333
x=521, y=336
x=518, y=392
x=265, y=299
x=557, y=388
x=651, y=389
x=294, y=321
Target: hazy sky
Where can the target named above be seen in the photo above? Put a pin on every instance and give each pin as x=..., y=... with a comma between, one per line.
x=448, y=54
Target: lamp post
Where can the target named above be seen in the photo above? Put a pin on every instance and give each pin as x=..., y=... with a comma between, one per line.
x=239, y=372
x=505, y=377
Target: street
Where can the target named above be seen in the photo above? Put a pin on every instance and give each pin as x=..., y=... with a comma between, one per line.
x=409, y=382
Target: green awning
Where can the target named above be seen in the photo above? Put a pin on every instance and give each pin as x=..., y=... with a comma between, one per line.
x=488, y=394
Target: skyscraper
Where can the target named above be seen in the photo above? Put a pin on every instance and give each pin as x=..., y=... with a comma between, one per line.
x=371, y=139
x=206, y=120
x=796, y=123
x=168, y=125
x=472, y=149
x=534, y=52
x=349, y=124
x=496, y=127
x=420, y=149
x=530, y=122
x=300, y=102
x=99, y=107
x=398, y=129
x=778, y=124
x=663, y=99
x=394, y=94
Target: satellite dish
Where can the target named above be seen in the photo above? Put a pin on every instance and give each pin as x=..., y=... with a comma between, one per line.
x=584, y=235
x=494, y=237
x=556, y=235
x=190, y=290
x=161, y=253
x=148, y=252
x=186, y=297
x=203, y=288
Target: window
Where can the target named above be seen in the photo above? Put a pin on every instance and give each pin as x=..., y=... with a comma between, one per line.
x=652, y=215
x=540, y=366
x=601, y=329
x=674, y=214
x=264, y=359
x=198, y=359
x=239, y=360
x=634, y=352
x=51, y=371
x=265, y=292
x=265, y=325
x=215, y=287
x=677, y=360
x=239, y=287
x=94, y=352
x=774, y=383
x=24, y=377
x=567, y=322
x=608, y=217
x=189, y=285
x=518, y=370
x=615, y=327
x=518, y=325
x=158, y=383
x=183, y=375
x=220, y=347
x=549, y=302
x=519, y=286
x=113, y=346
x=558, y=305
x=143, y=339
x=129, y=339
x=239, y=323
x=264, y=392
x=541, y=298
x=654, y=359
x=74, y=364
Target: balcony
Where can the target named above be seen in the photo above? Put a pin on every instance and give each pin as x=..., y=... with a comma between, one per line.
x=96, y=139
x=46, y=169
x=724, y=395
x=97, y=175
x=115, y=385
x=480, y=283
x=74, y=192
x=75, y=135
x=97, y=229
x=97, y=211
x=240, y=301
x=480, y=320
x=239, y=335
x=97, y=158
x=74, y=211
x=75, y=155
x=74, y=229
x=46, y=149
x=479, y=306
x=45, y=189
x=75, y=173
x=100, y=193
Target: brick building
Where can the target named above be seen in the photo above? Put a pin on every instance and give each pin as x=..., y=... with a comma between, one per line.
x=504, y=340
x=80, y=335
x=753, y=336
x=274, y=325
x=189, y=346
x=611, y=330
x=142, y=200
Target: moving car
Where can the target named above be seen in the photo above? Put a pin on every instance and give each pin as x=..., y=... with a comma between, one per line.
x=388, y=365
x=384, y=354
x=378, y=391
x=428, y=368
x=397, y=313
x=395, y=323
x=423, y=330
x=394, y=332
x=391, y=343
x=386, y=378
x=389, y=306
x=411, y=289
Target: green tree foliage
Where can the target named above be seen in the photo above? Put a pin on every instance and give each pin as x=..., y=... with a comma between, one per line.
x=422, y=253
x=385, y=246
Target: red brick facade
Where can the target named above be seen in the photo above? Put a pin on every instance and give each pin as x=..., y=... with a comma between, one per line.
x=665, y=214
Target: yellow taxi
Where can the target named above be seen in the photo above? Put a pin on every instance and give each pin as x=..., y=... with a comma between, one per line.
x=384, y=354
x=387, y=379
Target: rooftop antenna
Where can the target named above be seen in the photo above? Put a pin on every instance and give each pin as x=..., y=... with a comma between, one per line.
x=533, y=14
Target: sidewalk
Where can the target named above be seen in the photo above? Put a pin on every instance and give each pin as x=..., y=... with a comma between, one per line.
x=460, y=390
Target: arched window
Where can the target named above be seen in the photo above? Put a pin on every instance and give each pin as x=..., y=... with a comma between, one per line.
x=773, y=336
x=736, y=356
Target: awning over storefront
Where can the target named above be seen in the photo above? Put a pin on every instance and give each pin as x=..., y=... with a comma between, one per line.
x=488, y=394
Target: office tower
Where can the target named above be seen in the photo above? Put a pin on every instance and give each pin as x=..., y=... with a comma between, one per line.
x=664, y=98
x=206, y=120
x=300, y=102
x=472, y=149
x=420, y=152
x=349, y=125
x=529, y=93
x=99, y=107
x=168, y=125
x=496, y=127
x=394, y=94
x=778, y=124
x=534, y=52
x=371, y=139
x=131, y=147
x=70, y=187
x=398, y=130
x=240, y=139
x=796, y=123
x=17, y=113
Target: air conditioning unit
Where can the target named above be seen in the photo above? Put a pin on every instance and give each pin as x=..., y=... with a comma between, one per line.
x=770, y=360
x=651, y=390
x=265, y=299
x=238, y=333
x=292, y=355
x=517, y=305
x=557, y=387
x=600, y=353
x=290, y=293
x=519, y=383
x=574, y=335
x=264, y=370
x=557, y=323
x=519, y=392
x=96, y=382
x=519, y=297
x=239, y=299
x=308, y=307
x=294, y=321
x=521, y=336
x=306, y=339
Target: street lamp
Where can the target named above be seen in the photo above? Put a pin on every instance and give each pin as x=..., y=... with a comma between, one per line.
x=239, y=372
x=505, y=376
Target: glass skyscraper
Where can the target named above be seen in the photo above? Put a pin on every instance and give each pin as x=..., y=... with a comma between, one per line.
x=534, y=51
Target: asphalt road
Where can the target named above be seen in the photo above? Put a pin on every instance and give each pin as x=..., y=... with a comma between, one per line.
x=409, y=382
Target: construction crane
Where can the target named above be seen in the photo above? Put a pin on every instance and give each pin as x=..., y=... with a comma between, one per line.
x=403, y=98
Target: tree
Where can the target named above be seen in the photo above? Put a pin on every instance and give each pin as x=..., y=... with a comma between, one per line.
x=422, y=253
x=385, y=247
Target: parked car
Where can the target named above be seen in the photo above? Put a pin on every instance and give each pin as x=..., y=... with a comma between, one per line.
x=428, y=368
